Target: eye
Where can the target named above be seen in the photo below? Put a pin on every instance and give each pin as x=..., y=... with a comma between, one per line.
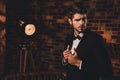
x=84, y=18
x=77, y=19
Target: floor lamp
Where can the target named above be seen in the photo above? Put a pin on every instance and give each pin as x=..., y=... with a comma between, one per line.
x=25, y=47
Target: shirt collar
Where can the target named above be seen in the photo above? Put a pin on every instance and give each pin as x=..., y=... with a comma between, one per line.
x=81, y=35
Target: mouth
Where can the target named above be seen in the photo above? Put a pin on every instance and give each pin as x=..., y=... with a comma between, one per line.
x=81, y=28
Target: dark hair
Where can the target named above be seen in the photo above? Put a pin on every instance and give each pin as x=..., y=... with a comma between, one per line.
x=76, y=8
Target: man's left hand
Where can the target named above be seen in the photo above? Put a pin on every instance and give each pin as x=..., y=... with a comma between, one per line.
x=73, y=59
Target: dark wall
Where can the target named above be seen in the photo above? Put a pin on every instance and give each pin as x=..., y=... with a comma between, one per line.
x=2, y=35
x=47, y=43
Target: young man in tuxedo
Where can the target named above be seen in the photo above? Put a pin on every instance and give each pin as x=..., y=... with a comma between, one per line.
x=85, y=56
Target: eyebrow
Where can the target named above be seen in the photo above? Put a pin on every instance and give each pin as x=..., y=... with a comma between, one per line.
x=81, y=18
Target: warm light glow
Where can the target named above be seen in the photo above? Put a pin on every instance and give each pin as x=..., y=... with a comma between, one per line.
x=107, y=35
x=30, y=29
x=2, y=18
x=21, y=22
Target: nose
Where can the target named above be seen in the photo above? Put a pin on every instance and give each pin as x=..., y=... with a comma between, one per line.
x=81, y=22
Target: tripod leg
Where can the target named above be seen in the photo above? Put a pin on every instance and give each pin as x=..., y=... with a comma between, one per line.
x=25, y=59
x=32, y=61
x=20, y=60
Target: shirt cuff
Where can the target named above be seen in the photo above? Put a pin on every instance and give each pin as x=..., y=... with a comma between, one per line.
x=64, y=63
x=80, y=65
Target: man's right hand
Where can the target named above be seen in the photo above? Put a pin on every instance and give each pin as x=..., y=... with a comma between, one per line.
x=66, y=54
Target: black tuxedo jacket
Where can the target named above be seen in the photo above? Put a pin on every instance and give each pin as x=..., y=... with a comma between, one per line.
x=95, y=60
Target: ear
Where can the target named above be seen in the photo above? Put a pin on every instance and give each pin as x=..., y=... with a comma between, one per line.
x=70, y=21
x=86, y=20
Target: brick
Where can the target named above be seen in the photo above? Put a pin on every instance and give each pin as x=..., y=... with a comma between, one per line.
x=52, y=28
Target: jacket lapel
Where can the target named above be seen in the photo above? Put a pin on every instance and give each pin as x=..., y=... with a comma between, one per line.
x=83, y=40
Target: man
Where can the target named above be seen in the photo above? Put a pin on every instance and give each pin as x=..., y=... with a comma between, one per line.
x=85, y=56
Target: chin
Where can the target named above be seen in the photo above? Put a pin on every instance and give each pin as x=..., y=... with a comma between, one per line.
x=80, y=30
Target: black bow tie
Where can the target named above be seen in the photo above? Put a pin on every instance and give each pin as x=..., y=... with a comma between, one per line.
x=77, y=37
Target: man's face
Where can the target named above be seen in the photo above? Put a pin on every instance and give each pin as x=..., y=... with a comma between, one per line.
x=78, y=22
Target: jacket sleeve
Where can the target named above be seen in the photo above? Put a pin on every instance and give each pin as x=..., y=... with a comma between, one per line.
x=102, y=58
x=64, y=65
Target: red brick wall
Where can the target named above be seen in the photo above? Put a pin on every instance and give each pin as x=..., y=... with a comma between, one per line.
x=52, y=27
x=2, y=35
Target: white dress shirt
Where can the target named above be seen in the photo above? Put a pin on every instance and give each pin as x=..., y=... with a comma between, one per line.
x=75, y=45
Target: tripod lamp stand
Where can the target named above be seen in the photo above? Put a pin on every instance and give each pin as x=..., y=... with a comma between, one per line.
x=29, y=30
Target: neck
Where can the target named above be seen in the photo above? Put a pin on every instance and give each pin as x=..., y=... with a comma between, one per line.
x=76, y=33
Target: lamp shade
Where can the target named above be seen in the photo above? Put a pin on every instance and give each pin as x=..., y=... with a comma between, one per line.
x=30, y=29
x=27, y=28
